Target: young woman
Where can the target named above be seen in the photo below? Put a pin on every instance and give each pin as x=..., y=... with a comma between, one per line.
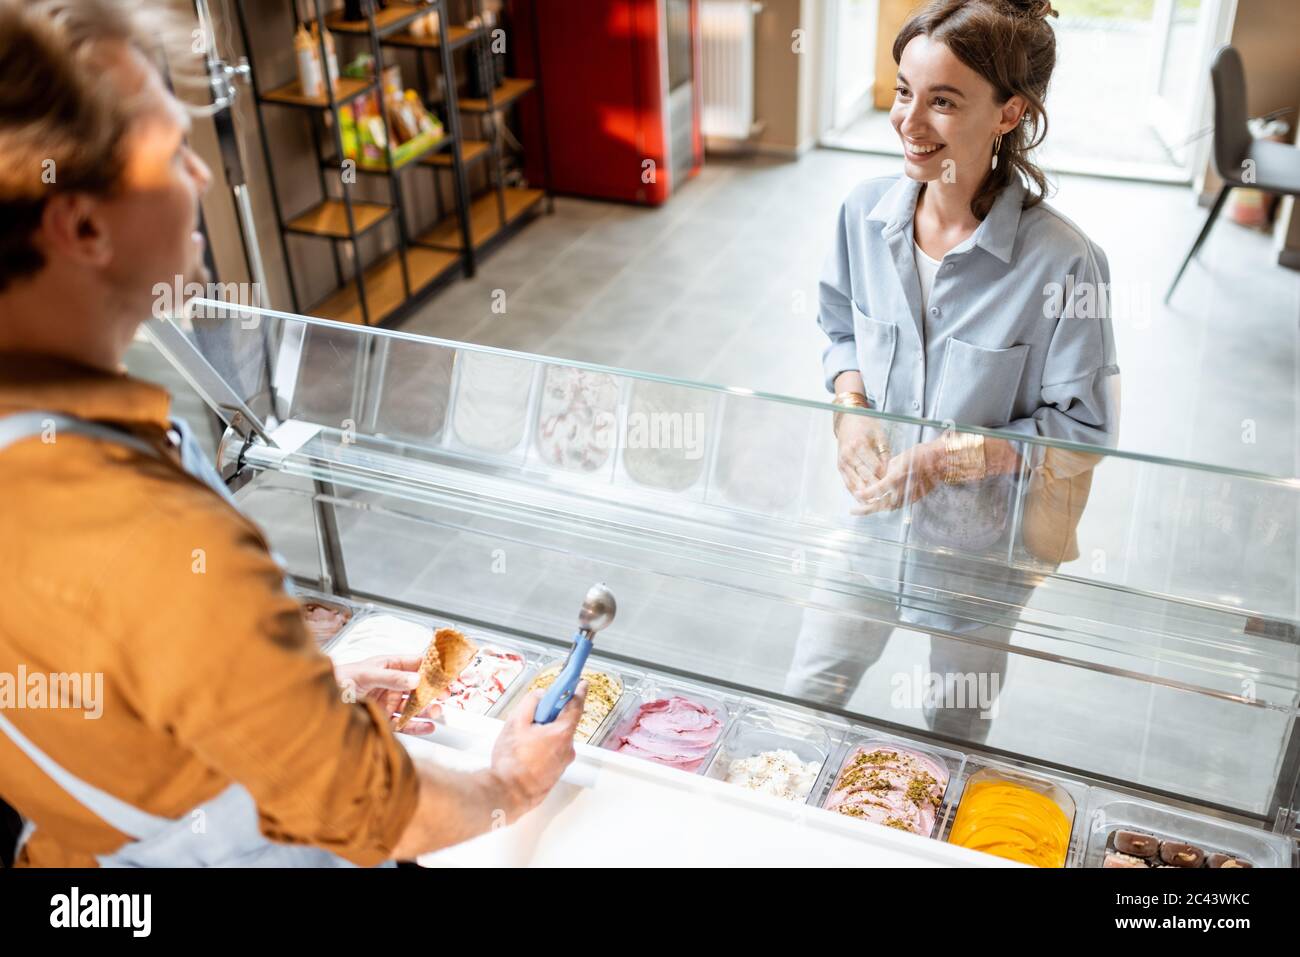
x=955, y=294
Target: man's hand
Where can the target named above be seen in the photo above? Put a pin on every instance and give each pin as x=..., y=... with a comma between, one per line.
x=863, y=456
x=527, y=761
x=387, y=681
x=528, y=758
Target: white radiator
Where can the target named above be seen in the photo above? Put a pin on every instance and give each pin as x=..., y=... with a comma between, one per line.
x=728, y=60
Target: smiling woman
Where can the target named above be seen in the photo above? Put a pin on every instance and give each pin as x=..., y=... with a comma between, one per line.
x=944, y=299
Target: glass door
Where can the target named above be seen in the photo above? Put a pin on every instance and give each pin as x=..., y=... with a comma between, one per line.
x=1180, y=38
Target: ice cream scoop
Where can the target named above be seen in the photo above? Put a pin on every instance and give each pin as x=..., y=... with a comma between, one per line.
x=597, y=611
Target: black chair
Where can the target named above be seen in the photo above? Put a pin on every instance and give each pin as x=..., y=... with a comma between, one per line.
x=1274, y=167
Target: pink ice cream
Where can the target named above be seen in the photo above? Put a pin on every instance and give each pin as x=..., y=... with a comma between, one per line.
x=890, y=786
x=672, y=731
x=484, y=681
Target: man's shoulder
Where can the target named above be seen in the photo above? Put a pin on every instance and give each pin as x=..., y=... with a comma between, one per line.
x=99, y=496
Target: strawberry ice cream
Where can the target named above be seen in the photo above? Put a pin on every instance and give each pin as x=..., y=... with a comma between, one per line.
x=672, y=731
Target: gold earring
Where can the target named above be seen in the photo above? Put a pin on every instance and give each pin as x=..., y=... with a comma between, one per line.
x=997, y=145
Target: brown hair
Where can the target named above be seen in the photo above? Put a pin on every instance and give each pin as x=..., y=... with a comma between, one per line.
x=59, y=118
x=1010, y=44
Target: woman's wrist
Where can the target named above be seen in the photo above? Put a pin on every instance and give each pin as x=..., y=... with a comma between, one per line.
x=964, y=458
x=847, y=400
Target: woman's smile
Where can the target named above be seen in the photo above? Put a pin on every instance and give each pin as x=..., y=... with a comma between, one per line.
x=920, y=150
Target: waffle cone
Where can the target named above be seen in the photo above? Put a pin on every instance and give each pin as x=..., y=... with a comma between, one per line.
x=448, y=654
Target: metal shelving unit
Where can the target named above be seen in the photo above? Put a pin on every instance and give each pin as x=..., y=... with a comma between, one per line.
x=383, y=290
x=499, y=207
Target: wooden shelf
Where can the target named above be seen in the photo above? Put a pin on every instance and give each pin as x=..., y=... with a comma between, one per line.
x=471, y=151
x=509, y=91
x=384, y=293
x=330, y=218
x=398, y=14
x=456, y=37
x=291, y=94
x=484, y=219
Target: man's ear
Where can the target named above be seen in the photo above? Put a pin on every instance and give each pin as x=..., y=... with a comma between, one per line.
x=73, y=227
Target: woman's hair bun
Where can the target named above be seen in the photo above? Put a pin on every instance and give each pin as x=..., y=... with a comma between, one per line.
x=1038, y=9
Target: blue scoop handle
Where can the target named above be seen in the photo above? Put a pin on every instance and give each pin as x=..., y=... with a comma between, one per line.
x=561, y=689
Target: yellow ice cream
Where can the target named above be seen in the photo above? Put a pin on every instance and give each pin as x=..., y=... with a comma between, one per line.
x=1011, y=821
x=603, y=692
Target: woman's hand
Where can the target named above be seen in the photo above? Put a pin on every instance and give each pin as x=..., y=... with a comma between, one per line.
x=911, y=475
x=863, y=456
x=387, y=681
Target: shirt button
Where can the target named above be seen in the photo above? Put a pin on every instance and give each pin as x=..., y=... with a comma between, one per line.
x=947, y=266
x=934, y=310
x=916, y=406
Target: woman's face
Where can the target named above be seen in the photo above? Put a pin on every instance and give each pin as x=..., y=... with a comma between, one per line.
x=946, y=115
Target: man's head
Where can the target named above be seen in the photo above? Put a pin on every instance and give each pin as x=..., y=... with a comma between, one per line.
x=99, y=191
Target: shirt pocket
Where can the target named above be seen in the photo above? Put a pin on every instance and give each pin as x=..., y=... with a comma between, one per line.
x=876, y=341
x=978, y=386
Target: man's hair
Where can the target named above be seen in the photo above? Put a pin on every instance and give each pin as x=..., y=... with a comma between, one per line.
x=62, y=122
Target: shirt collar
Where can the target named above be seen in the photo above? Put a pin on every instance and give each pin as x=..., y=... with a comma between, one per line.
x=996, y=234
x=31, y=382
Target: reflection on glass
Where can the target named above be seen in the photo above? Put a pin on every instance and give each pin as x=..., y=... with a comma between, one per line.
x=327, y=375
x=667, y=435
x=578, y=419
x=760, y=458
x=975, y=543
x=492, y=401
x=415, y=390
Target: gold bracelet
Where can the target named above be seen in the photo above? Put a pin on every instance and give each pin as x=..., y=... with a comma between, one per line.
x=963, y=458
x=854, y=400
x=848, y=400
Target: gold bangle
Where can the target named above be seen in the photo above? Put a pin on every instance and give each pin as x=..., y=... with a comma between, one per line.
x=853, y=400
x=848, y=400
x=964, y=459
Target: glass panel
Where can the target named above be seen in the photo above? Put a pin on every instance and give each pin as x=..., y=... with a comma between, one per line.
x=1119, y=615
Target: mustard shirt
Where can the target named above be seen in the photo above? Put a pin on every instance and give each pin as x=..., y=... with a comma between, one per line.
x=122, y=564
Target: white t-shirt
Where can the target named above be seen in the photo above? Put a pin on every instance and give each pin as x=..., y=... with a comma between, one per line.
x=927, y=269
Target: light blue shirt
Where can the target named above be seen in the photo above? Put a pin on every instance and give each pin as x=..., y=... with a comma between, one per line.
x=1017, y=333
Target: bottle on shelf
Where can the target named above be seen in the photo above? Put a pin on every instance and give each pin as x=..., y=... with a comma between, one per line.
x=331, y=56
x=310, y=77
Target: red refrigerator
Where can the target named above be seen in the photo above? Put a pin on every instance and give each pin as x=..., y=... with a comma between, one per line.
x=620, y=94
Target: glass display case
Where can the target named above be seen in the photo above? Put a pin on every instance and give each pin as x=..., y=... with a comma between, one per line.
x=1103, y=640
